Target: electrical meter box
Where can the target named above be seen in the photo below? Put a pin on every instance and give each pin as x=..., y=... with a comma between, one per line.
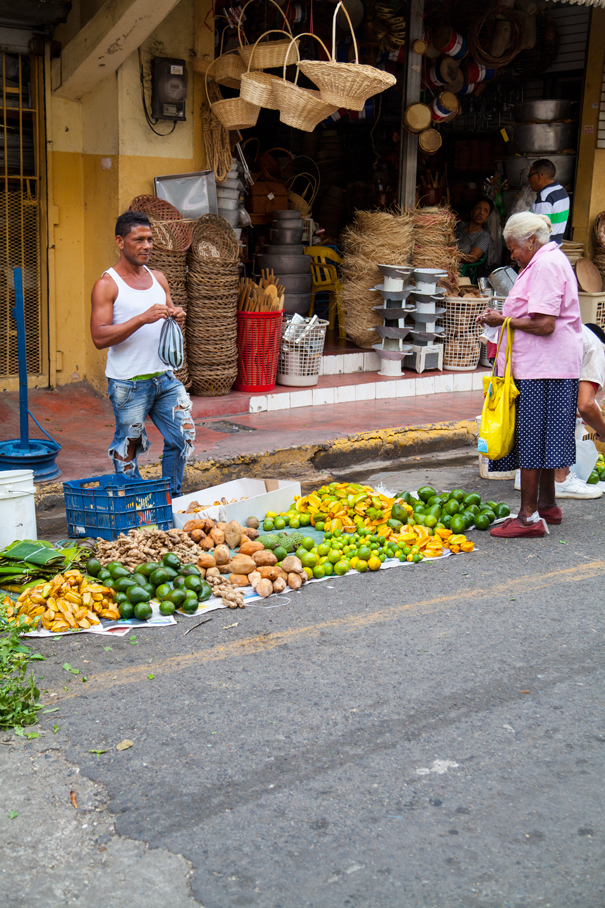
x=169, y=89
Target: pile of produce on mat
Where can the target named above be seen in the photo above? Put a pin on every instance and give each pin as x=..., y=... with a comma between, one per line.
x=598, y=473
x=338, y=528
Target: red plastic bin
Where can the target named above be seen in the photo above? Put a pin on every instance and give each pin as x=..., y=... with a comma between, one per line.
x=258, y=342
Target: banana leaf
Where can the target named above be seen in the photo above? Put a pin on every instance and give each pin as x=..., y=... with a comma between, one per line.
x=33, y=552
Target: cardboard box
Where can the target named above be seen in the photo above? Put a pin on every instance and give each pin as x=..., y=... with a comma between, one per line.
x=261, y=495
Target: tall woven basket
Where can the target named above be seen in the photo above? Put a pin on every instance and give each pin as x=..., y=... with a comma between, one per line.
x=171, y=240
x=347, y=85
x=301, y=108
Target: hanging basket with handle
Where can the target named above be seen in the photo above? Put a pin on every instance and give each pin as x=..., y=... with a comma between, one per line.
x=234, y=113
x=347, y=85
x=303, y=202
x=257, y=86
x=301, y=108
x=270, y=167
x=272, y=53
x=228, y=68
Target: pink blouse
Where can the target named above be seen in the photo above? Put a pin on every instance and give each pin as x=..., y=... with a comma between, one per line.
x=547, y=286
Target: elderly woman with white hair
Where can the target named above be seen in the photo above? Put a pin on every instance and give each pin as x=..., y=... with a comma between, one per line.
x=544, y=310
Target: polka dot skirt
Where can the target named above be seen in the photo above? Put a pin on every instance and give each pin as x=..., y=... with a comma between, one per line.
x=546, y=422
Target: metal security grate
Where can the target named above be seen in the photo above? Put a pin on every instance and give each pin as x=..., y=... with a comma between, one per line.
x=20, y=210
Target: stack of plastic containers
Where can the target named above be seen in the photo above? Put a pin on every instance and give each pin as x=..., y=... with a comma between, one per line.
x=394, y=291
x=426, y=351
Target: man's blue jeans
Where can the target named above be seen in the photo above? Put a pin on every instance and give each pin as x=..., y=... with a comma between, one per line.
x=166, y=402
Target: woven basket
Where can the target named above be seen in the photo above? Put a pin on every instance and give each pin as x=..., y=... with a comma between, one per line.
x=347, y=85
x=599, y=228
x=257, y=86
x=300, y=202
x=301, y=108
x=172, y=236
x=229, y=67
x=234, y=113
x=268, y=55
x=214, y=237
x=214, y=382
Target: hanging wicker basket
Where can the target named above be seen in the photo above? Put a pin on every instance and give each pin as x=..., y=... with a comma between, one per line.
x=234, y=113
x=257, y=86
x=301, y=108
x=347, y=85
x=229, y=67
x=301, y=202
x=272, y=53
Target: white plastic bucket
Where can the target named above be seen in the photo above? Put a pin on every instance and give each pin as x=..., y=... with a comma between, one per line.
x=17, y=506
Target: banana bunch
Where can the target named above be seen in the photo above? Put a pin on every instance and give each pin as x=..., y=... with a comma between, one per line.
x=67, y=602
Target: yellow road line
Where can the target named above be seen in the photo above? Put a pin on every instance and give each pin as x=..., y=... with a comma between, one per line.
x=263, y=642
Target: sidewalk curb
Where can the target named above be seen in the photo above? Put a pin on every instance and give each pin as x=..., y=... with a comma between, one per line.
x=305, y=460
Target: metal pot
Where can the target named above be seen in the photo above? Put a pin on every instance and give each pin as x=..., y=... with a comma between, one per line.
x=285, y=264
x=503, y=280
x=543, y=111
x=286, y=235
x=297, y=302
x=543, y=138
x=517, y=167
x=290, y=214
x=274, y=249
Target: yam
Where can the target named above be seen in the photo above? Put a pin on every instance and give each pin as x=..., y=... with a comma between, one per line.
x=207, y=524
x=239, y=579
x=292, y=563
x=250, y=533
x=222, y=555
x=224, y=568
x=233, y=534
x=212, y=573
x=206, y=543
x=253, y=523
x=202, y=573
x=193, y=525
x=264, y=557
x=253, y=579
x=206, y=560
x=264, y=588
x=279, y=585
x=248, y=547
x=218, y=536
x=196, y=535
x=294, y=581
x=221, y=525
x=242, y=564
x=272, y=572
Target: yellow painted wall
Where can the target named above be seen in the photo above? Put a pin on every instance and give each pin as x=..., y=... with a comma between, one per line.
x=590, y=183
x=103, y=154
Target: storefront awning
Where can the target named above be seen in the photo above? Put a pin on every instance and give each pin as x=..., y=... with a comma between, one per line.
x=35, y=14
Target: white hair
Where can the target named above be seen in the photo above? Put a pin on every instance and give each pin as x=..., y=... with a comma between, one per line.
x=526, y=224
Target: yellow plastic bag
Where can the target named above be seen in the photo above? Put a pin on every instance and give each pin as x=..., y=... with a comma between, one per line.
x=498, y=417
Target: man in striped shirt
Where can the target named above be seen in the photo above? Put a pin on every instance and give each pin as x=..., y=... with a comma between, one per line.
x=551, y=198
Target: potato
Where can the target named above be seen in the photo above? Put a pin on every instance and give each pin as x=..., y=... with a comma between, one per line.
x=292, y=563
x=294, y=581
x=217, y=535
x=239, y=580
x=250, y=533
x=221, y=525
x=206, y=560
x=253, y=523
x=222, y=555
x=264, y=588
x=212, y=572
x=242, y=564
x=196, y=535
x=253, y=579
x=248, y=547
x=264, y=557
x=269, y=572
x=224, y=568
x=279, y=585
x=193, y=525
x=202, y=572
x=233, y=534
x=207, y=524
x=206, y=543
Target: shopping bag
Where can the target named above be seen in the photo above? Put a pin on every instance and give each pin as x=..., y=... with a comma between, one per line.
x=498, y=416
x=170, y=349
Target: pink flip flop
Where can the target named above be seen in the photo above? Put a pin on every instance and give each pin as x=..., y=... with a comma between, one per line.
x=512, y=529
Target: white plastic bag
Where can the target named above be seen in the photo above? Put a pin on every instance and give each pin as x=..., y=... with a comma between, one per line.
x=586, y=458
x=170, y=349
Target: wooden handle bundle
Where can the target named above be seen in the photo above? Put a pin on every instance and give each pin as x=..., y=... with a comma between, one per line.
x=266, y=296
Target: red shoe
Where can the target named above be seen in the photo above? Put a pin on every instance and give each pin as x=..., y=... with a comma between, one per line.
x=552, y=515
x=512, y=529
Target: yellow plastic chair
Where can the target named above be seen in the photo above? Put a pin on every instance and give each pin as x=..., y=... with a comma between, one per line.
x=325, y=280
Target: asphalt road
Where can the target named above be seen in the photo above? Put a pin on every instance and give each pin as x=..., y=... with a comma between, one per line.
x=424, y=736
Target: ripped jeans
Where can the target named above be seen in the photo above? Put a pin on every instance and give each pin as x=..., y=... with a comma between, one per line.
x=166, y=402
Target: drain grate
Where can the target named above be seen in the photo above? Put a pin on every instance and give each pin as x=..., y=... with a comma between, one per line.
x=223, y=425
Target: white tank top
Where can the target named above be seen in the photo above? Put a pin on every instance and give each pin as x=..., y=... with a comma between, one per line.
x=138, y=354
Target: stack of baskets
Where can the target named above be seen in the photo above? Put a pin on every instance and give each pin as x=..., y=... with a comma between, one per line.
x=212, y=288
x=171, y=241
x=599, y=245
x=462, y=346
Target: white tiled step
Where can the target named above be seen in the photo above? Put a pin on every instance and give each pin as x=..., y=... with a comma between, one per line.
x=370, y=390
x=346, y=363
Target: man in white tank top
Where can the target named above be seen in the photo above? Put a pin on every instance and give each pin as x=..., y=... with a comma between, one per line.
x=129, y=305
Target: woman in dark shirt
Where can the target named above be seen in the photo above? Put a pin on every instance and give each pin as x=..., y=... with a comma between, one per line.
x=472, y=238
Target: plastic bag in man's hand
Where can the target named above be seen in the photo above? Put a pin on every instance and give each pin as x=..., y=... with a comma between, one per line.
x=170, y=350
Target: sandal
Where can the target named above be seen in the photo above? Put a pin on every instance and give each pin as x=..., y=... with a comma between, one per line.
x=512, y=529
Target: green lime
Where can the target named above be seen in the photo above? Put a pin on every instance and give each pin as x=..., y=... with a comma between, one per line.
x=280, y=552
x=430, y=520
x=93, y=567
x=334, y=556
x=279, y=523
x=320, y=525
x=126, y=609
x=308, y=543
x=267, y=524
x=341, y=567
x=458, y=524
x=171, y=560
x=361, y=566
x=167, y=607
x=364, y=552
x=137, y=594
x=143, y=611
x=304, y=520
x=328, y=568
x=158, y=577
x=323, y=549
x=318, y=571
x=309, y=559
x=481, y=521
